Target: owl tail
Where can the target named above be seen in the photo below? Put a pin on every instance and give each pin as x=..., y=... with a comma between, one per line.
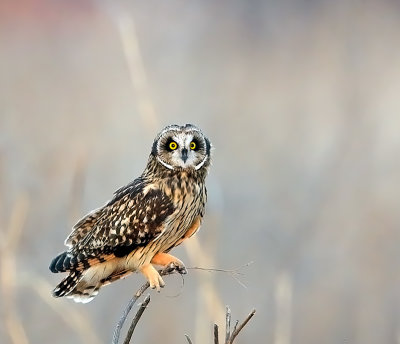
x=73, y=287
x=68, y=284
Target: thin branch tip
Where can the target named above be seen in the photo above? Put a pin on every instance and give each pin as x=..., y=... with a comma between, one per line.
x=216, y=335
x=188, y=339
x=230, y=336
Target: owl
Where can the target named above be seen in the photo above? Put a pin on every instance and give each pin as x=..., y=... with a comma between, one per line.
x=143, y=221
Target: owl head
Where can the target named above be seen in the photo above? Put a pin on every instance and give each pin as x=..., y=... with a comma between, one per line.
x=182, y=147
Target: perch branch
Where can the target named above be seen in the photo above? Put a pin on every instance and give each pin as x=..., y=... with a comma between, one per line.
x=229, y=336
x=135, y=320
x=132, y=301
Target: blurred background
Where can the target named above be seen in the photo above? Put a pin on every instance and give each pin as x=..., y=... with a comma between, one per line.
x=301, y=102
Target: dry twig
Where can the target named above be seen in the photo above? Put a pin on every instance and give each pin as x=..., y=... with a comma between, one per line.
x=188, y=339
x=233, y=272
x=229, y=336
x=132, y=301
x=237, y=328
x=136, y=319
x=227, y=324
x=216, y=340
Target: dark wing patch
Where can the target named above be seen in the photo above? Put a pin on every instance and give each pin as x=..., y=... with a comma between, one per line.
x=87, y=223
x=133, y=218
x=130, y=221
x=132, y=189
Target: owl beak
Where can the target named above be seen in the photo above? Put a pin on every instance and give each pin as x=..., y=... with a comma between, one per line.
x=184, y=154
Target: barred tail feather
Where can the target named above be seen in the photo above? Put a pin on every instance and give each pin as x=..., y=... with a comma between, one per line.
x=68, y=261
x=86, y=295
x=74, y=287
x=83, y=285
x=68, y=284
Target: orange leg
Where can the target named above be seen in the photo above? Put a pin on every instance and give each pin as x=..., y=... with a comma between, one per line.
x=152, y=276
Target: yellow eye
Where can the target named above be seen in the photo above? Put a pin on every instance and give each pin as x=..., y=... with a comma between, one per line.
x=192, y=145
x=173, y=145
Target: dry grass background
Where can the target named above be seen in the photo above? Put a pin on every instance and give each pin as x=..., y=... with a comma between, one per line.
x=301, y=101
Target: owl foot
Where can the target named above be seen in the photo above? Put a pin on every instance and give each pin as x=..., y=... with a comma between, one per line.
x=152, y=275
x=178, y=267
x=170, y=262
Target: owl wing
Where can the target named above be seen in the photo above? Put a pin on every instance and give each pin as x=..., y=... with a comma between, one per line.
x=133, y=218
x=83, y=227
x=87, y=223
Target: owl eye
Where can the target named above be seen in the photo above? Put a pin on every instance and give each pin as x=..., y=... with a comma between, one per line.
x=192, y=145
x=173, y=145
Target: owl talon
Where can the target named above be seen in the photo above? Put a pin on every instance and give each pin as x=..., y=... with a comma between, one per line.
x=177, y=266
x=170, y=262
x=154, y=278
x=158, y=284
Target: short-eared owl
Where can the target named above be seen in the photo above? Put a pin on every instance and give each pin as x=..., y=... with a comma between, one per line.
x=144, y=220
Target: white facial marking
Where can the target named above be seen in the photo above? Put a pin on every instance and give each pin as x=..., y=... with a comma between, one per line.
x=201, y=164
x=165, y=164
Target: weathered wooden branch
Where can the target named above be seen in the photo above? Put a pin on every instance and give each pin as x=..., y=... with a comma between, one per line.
x=188, y=339
x=216, y=339
x=229, y=336
x=237, y=328
x=136, y=319
x=132, y=301
x=227, y=324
